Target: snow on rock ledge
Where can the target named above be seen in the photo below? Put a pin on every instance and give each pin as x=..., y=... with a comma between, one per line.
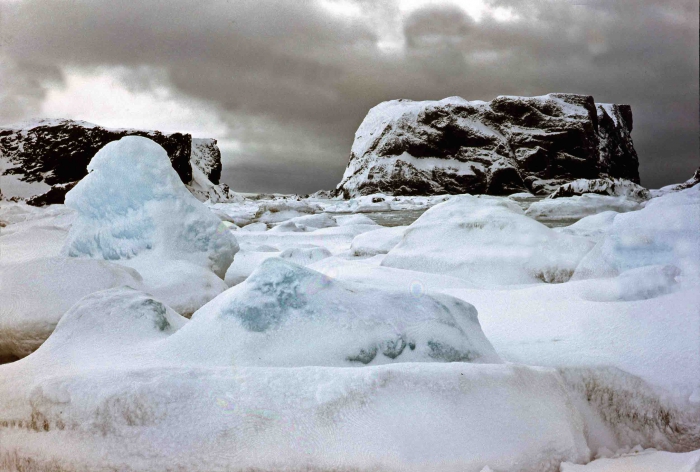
x=500, y=147
x=612, y=187
x=133, y=202
x=691, y=182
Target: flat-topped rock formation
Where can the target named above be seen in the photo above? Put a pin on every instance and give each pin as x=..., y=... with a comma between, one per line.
x=507, y=145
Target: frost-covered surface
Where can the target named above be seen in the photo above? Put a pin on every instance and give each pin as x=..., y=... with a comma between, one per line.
x=271, y=374
x=150, y=410
x=613, y=187
x=132, y=202
x=504, y=146
x=288, y=315
x=36, y=293
x=379, y=241
x=487, y=241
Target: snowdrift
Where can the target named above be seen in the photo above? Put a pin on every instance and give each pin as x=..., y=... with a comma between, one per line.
x=487, y=241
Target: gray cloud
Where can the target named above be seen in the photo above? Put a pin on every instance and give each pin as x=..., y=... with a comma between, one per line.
x=294, y=81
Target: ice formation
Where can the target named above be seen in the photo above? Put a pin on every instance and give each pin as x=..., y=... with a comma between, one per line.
x=287, y=315
x=132, y=202
x=664, y=232
x=613, y=187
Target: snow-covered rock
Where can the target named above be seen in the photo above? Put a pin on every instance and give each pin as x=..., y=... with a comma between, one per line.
x=504, y=146
x=133, y=203
x=691, y=182
x=607, y=186
x=487, y=241
x=205, y=160
x=41, y=161
x=36, y=293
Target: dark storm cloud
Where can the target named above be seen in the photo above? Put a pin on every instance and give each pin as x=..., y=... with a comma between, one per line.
x=294, y=81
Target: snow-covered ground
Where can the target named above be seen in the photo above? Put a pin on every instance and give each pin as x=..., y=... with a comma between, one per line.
x=377, y=333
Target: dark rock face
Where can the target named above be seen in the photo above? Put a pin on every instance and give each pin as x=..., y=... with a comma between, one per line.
x=508, y=145
x=57, y=152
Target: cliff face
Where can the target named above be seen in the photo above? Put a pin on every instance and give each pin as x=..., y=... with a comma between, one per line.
x=508, y=145
x=42, y=160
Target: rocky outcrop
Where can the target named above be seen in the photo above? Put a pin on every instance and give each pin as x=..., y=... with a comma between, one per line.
x=46, y=158
x=508, y=145
x=611, y=187
x=691, y=182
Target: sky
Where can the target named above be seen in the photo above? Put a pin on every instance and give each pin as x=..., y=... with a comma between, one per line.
x=283, y=85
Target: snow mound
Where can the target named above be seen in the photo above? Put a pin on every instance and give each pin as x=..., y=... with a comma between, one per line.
x=613, y=187
x=577, y=207
x=133, y=202
x=664, y=232
x=103, y=324
x=487, y=241
x=288, y=315
x=379, y=241
x=593, y=227
x=35, y=294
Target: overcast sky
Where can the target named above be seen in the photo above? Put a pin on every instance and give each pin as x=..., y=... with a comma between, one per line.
x=283, y=85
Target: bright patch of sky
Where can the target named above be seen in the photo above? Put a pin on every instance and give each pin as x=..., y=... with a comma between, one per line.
x=388, y=17
x=104, y=96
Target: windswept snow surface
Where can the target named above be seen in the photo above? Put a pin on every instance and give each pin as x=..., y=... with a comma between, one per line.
x=306, y=363
x=139, y=387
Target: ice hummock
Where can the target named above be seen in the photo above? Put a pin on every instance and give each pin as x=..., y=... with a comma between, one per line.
x=132, y=202
x=287, y=315
x=118, y=386
x=487, y=241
